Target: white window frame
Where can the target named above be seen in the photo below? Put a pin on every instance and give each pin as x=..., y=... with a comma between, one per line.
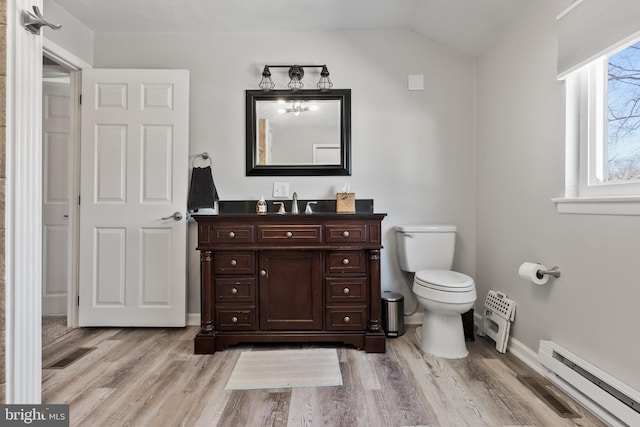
x=584, y=160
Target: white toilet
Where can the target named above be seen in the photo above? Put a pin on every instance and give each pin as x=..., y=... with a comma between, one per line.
x=427, y=251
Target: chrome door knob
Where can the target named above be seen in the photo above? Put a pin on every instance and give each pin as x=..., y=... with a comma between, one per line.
x=176, y=216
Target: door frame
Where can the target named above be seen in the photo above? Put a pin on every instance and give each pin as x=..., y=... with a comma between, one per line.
x=76, y=65
x=23, y=214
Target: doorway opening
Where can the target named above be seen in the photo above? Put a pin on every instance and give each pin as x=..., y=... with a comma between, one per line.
x=59, y=217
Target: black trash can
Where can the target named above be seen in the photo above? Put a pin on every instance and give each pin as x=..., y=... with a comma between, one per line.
x=467, y=325
x=393, y=313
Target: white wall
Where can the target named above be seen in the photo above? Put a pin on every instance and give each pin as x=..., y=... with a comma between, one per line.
x=74, y=36
x=591, y=309
x=412, y=151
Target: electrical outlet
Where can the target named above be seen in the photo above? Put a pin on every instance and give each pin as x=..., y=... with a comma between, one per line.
x=281, y=189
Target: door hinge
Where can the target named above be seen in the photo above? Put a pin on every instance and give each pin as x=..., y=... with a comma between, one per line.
x=78, y=200
x=80, y=100
x=78, y=300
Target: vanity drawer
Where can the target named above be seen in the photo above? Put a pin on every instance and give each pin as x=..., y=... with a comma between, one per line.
x=346, y=262
x=290, y=234
x=236, y=289
x=234, y=262
x=236, y=319
x=346, y=289
x=346, y=318
x=346, y=233
x=218, y=234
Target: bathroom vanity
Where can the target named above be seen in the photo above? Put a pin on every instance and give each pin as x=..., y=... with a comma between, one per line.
x=290, y=278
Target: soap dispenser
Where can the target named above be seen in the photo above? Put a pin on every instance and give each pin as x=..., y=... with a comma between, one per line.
x=261, y=206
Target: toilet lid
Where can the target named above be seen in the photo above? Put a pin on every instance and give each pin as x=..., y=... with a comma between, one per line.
x=444, y=280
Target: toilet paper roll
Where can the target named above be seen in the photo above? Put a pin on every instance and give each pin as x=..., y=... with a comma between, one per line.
x=529, y=271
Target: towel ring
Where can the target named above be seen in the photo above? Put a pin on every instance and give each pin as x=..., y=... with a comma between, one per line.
x=204, y=156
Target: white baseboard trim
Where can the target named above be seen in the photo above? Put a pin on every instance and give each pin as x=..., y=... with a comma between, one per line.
x=193, y=319
x=525, y=355
x=519, y=350
x=414, y=319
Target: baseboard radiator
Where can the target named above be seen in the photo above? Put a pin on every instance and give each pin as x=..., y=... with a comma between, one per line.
x=603, y=390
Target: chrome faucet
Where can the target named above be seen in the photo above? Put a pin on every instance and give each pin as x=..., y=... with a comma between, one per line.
x=308, y=209
x=294, y=204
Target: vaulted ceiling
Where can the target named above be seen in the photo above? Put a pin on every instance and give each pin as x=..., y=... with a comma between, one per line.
x=467, y=25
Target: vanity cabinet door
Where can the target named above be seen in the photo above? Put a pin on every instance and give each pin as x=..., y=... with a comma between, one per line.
x=290, y=290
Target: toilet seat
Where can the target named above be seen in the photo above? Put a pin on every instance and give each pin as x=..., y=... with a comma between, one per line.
x=444, y=280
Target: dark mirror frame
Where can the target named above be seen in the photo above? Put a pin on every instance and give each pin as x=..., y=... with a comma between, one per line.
x=344, y=168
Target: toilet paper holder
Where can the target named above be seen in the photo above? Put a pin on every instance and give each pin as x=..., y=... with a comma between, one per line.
x=554, y=271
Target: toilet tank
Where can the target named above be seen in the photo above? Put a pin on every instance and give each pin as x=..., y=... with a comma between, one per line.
x=425, y=247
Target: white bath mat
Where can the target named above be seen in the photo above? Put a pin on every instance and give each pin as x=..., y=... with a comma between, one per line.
x=285, y=369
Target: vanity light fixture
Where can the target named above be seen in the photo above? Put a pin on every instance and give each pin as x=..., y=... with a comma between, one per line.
x=324, y=84
x=266, y=84
x=296, y=73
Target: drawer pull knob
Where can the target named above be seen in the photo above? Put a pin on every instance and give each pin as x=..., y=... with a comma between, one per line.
x=345, y=261
x=232, y=234
x=234, y=319
x=347, y=319
x=263, y=272
x=234, y=290
x=345, y=233
x=346, y=291
x=289, y=234
x=234, y=262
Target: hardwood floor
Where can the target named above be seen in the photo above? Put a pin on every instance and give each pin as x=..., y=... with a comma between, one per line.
x=140, y=377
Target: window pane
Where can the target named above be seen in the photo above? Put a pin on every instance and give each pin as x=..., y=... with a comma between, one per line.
x=623, y=146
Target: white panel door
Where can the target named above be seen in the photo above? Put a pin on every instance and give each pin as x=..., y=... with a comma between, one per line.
x=56, y=140
x=134, y=170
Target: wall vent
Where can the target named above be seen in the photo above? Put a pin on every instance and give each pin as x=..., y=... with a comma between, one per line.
x=611, y=395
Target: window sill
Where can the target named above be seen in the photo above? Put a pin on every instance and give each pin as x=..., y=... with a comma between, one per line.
x=621, y=205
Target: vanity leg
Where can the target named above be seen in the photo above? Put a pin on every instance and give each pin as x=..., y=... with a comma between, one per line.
x=205, y=340
x=374, y=338
x=204, y=344
x=206, y=292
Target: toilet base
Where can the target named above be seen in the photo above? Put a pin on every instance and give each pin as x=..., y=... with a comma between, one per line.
x=442, y=335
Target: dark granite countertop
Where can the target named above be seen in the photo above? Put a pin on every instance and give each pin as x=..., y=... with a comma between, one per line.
x=239, y=208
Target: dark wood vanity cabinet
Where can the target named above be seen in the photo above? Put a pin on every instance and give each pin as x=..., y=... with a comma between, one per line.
x=304, y=278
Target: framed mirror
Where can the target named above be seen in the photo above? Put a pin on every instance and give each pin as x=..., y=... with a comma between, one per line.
x=303, y=133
